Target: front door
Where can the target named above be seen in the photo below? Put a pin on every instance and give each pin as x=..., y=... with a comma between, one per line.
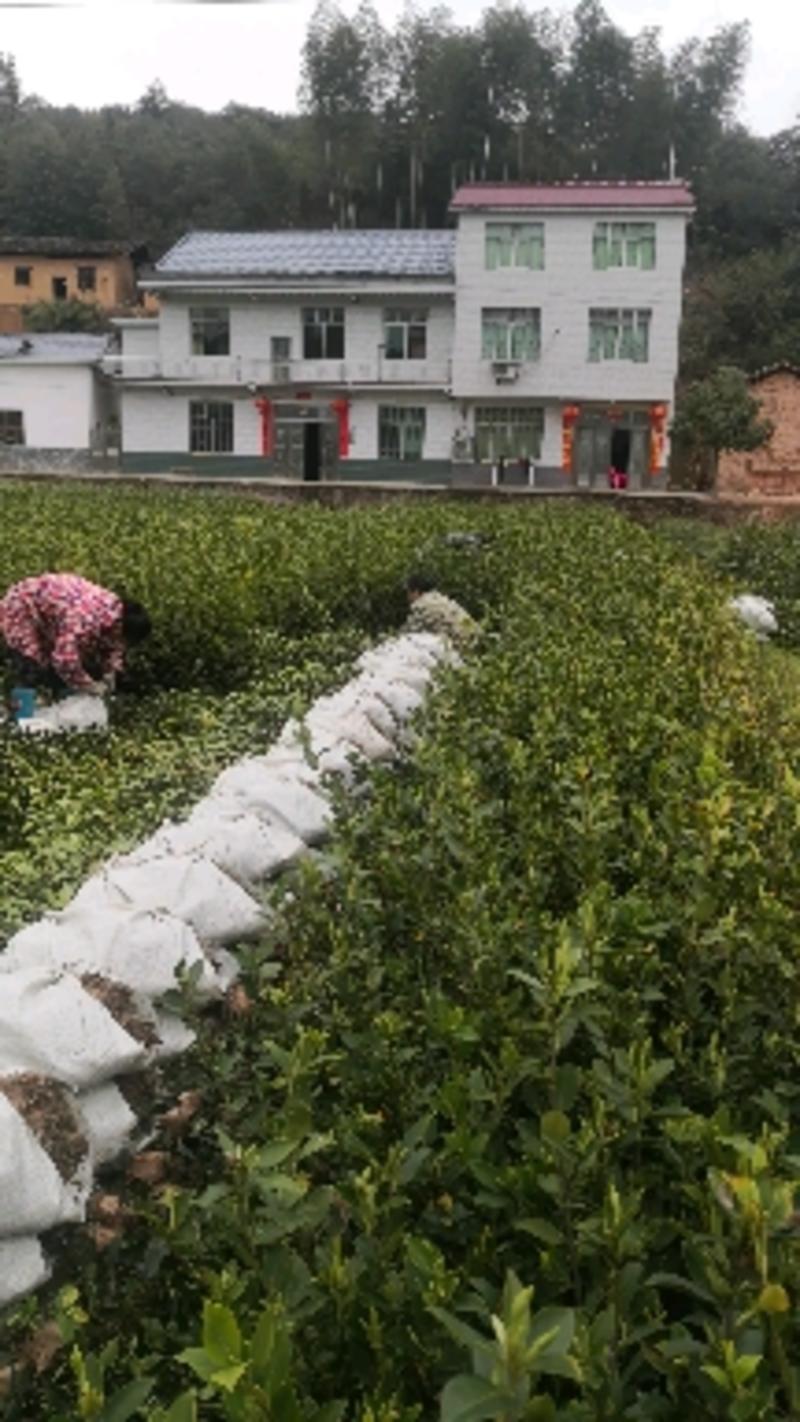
x=312, y=451
x=602, y=441
x=306, y=443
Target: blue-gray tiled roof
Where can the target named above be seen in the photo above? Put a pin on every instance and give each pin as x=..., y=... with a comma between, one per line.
x=311, y=254
x=53, y=348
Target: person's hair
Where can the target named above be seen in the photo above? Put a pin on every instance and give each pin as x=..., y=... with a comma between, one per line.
x=419, y=583
x=136, y=624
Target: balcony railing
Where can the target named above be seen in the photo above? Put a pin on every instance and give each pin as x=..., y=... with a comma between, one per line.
x=237, y=370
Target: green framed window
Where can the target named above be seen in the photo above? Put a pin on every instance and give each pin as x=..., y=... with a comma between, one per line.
x=514, y=244
x=511, y=333
x=624, y=244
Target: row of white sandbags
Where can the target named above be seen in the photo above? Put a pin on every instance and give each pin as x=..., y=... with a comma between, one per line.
x=163, y=910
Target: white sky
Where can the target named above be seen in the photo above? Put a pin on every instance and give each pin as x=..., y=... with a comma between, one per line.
x=209, y=54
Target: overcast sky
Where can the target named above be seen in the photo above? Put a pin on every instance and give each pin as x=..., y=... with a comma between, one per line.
x=109, y=51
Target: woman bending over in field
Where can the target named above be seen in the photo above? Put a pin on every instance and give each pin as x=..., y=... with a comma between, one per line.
x=64, y=633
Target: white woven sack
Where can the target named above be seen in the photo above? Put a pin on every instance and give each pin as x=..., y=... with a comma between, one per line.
x=189, y=887
x=33, y=1195
x=431, y=645
x=402, y=700
x=360, y=696
x=75, y=713
x=405, y=670
x=23, y=1268
x=352, y=726
x=52, y=1026
x=330, y=755
x=107, y=1120
x=143, y=950
x=174, y=1037
x=757, y=613
x=279, y=795
x=237, y=841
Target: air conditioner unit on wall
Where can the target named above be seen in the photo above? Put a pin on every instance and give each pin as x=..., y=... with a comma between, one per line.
x=505, y=372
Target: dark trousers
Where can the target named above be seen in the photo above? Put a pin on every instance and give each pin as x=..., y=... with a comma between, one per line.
x=24, y=671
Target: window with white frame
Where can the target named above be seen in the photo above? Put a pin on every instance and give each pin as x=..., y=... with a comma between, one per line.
x=508, y=432
x=405, y=334
x=619, y=335
x=323, y=333
x=401, y=432
x=210, y=330
x=510, y=334
x=514, y=244
x=624, y=244
x=12, y=427
x=211, y=426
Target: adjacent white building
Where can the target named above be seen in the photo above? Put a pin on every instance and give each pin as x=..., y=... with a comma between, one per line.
x=537, y=340
x=54, y=401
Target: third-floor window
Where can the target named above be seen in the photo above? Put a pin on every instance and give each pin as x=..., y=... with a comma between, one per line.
x=515, y=244
x=210, y=330
x=323, y=333
x=510, y=334
x=624, y=244
x=405, y=334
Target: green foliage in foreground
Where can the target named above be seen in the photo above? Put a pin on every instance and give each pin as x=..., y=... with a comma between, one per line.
x=511, y=1131
x=757, y=558
x=224, y=576
x=267, y=605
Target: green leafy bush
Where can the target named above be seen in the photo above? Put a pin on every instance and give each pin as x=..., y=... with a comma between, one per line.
x=510, y=1130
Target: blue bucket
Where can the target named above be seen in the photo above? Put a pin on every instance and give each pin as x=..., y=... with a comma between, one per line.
x=23, y=703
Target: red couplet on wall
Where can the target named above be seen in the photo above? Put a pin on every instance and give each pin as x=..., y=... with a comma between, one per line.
x=264, y=408
x=341, y=409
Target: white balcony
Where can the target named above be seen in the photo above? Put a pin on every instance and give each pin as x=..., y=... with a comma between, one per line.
x=238, y=370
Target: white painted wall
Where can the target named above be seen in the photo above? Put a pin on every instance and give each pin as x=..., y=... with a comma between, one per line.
x=58, y=403
x=254, y=323
x=155, y=423
x=565, y=292
x=140, y=339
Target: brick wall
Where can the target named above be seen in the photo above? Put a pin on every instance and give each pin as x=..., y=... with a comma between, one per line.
x=774, y=469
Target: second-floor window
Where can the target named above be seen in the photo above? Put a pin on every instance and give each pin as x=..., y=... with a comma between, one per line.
x=405, y=334
x=210, y=330
x=510, y=334
x=87, y=278
x=22, y=276
x=401, y=432
x=619, y=335
x=323, y=333
x=624, y=244
x=515, y=244
x=211, y=426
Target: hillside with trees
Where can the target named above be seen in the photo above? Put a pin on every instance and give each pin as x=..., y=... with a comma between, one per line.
x=393, y=119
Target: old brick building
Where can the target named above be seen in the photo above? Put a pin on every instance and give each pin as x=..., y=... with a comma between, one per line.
x=775, y=468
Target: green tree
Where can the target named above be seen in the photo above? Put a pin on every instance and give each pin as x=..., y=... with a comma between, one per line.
x=72, y=315
x=716, y=414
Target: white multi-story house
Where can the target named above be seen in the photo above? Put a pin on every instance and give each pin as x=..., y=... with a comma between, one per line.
x=538, y=340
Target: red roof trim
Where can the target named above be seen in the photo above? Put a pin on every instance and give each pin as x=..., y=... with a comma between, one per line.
x=577, y=194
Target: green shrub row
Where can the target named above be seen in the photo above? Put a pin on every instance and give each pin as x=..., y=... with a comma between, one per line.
x=530, y=1024
x=223, y=576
